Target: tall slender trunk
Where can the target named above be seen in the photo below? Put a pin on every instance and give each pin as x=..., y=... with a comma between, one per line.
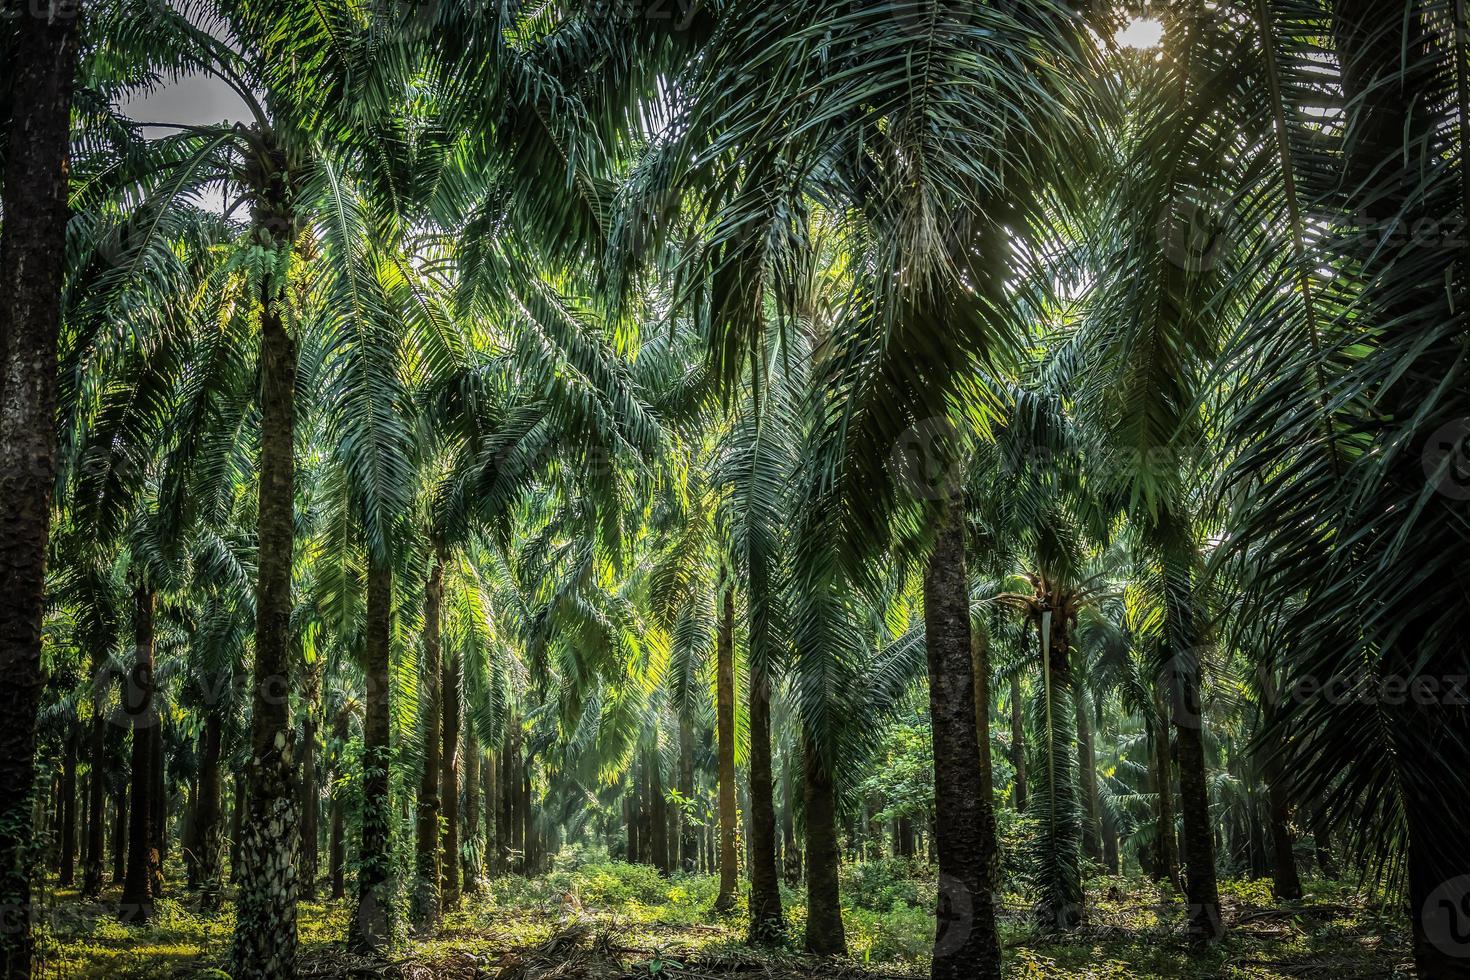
x=237, y=824
x=449, y=786
x=688, y=829
x=966, y=943
x=425, y=906
x=1284, y=879
x=1018, y=744
x=66, y=874
x=119, y=832
x=473, y=845
x=96, y=783
x=825, y=935
x=491, y=779
x=1087, y=783
x=725, y=735
x=33, y=199
x=310, y=863
x=791, y=851
x=1166, y=867
x=137, y=893
x=337, y=839
x=516, y=801
x=1322, y=844
x=207, y=811
x=767, y=924
x=158, y=799
x=630, y=816
x=657, y=812
x=264, y=944
x=371, y=929
x=1201, y=890
x=528, y=814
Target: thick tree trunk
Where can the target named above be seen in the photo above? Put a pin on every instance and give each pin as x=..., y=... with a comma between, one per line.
x=767, y=924
x=137, y=894
x=425, y=906
x=825, y=935
x=449, y=786
x=264, y=945
x=966, y=943
x=66, y=874
x=1087, y=781
x=725, y=736
x=474, y=845
x=371, y=929
x=32, y=252
x=207, y=812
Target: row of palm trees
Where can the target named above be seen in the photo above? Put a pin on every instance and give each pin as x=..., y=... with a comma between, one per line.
x=881, y=241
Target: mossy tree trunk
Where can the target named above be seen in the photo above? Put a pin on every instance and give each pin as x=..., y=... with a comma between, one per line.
x=825, y=935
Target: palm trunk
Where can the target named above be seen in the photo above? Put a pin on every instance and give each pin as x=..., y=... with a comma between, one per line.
x=825, y=935
x=449, y=786
x=96, y=788
x=137, y=893
x=515, y=801
x=1284, y=879
x=264, y=945
x=40, y=75
x=371, y=929
x=725, y=735
x=207, y=812
x=337, y=838
x=966, y=944
x=657, y=812
x=767, y=924
x=790, y=850
x=1087, y=770
x=474, y=846
x=1059, y=902
x=688, y=830
x=426, y=900
x=120, y=833
x=1018, y=744
x=158, y=799
x=66, y=874
x=310, y=864
x=237, y=825
x=1166, y=867
x=1201, y=890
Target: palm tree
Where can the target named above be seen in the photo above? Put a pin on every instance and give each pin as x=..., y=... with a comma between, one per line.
x=41, y=43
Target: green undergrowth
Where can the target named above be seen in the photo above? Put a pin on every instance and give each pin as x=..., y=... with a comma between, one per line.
x=1133, y=929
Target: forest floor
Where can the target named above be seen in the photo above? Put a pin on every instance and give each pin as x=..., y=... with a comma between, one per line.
x=606, y=921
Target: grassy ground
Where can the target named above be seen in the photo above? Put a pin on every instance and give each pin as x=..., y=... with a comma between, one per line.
x=616, y=919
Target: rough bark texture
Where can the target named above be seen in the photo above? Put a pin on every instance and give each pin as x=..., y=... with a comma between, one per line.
x=207, y=812
x=1284, y=880
x=264, y=945
x=767, y=924
x=825, y=935
x=966, y=944
x=32, y=251
x=371, y=929
x=424, y=908
x=137, y=894
x=449, y=787
x=725, y=735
